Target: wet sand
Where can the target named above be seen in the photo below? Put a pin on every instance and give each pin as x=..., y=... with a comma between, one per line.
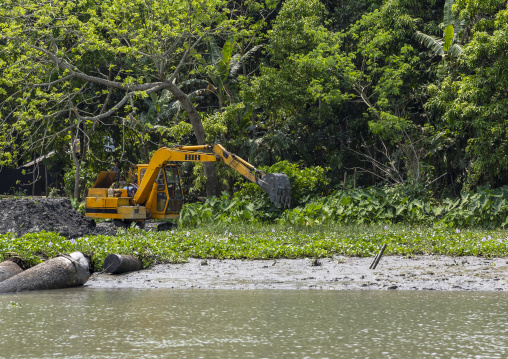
x=338, y=273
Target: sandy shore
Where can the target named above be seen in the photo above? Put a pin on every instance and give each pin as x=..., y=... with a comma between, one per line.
x=339, y=273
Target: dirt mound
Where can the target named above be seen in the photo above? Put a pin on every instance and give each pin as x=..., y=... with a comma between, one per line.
x=29, y=215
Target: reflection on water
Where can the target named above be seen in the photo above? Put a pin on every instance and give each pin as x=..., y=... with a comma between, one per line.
x=87, y=323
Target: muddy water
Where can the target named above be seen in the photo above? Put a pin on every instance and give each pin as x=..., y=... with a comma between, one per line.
x=163, y=323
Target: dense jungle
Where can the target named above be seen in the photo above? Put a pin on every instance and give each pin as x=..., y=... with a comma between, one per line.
x=389, y=111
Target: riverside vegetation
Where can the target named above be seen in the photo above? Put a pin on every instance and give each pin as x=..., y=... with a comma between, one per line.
x=383, y=113
x=380, y=92
x=350, y=222
x=260, y=242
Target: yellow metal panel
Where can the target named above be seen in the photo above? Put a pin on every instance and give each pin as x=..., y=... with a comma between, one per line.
x=95, y=202
x=106, y=202
x=122, y=202
x=132, y=212
x=97, y=192
x=164, y=216
x=110, y=202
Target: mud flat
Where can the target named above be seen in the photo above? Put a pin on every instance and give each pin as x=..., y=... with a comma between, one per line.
x=339, y=273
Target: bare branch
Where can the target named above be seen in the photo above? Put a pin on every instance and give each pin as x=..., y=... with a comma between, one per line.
x=184, y=58
x=105, y=114
x=49, y=84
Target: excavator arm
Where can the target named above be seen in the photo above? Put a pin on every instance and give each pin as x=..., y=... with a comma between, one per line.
x=277, y=185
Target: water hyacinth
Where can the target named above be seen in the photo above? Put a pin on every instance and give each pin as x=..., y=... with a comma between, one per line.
x=457, y=231
x=259, y=242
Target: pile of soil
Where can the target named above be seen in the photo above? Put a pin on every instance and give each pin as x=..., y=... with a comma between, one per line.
x=30, y=215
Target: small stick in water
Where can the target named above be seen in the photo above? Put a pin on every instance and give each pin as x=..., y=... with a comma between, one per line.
x=376, y=260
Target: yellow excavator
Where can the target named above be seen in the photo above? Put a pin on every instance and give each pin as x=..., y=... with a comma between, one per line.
x=160, y=193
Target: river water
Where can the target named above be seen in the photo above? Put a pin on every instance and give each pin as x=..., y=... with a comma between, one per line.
x=164, y=323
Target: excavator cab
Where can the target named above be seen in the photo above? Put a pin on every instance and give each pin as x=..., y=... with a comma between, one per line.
x=166, y=199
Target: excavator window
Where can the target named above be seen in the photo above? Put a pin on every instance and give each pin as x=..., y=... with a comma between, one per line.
x=175, y=201
x=173, y=181
x=141, y=175
x=160, y=181
x=161, y=201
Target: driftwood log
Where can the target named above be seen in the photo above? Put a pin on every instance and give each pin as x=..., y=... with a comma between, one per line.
x=119, y=263
x=61, y=272
x=9, y=269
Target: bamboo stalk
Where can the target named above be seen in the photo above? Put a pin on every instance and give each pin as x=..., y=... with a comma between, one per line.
x=376, y=260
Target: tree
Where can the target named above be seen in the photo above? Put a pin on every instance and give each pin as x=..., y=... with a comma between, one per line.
x=222, y=67
x=71, y=66
x=333, y=88
x=452, y=28
x=473, y=105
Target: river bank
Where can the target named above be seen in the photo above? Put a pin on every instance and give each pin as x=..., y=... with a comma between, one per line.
x=338, y=273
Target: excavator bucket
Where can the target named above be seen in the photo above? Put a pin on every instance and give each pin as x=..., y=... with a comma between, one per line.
x=278, y=188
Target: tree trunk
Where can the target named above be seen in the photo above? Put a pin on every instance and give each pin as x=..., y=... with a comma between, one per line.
x=212, y=184
x=77, y=164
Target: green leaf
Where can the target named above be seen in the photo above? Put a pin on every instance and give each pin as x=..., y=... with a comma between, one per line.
x=448, y=37
x=448, y=18
x=432, y=42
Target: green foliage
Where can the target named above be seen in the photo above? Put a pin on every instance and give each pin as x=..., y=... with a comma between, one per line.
x=33, y=248
x=224, y=210
x=222, y=67
x=259, y=242
x=485, y=208
x=306, y=183
x=364, y=206
x=251, y=204
x=472, y=105
x=92, y=65
x=452, y=28
x=319, y=83
x=87, y=178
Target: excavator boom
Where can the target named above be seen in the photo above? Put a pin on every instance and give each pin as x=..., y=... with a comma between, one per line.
x=277, y=185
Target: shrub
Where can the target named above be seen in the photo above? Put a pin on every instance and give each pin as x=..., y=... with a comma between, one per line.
x=306, y=183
